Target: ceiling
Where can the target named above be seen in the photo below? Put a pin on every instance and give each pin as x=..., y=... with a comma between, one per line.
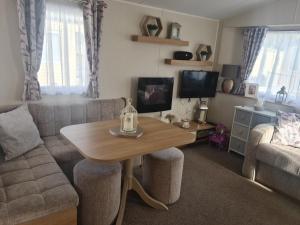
x=215, y=9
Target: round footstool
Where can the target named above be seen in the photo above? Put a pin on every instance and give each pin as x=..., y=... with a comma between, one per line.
x=162, y=174
x=99, y=187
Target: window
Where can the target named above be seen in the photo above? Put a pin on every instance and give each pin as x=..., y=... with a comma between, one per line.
x=64, y=68
x=277, y=65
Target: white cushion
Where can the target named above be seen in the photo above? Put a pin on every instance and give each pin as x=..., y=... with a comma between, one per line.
x=288, y=130
x=18, y=133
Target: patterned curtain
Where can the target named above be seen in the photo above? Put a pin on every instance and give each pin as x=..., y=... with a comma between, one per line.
x=252, y=42
x=31, y=25
x=92, y=16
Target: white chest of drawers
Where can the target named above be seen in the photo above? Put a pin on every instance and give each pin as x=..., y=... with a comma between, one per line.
x=244, y=119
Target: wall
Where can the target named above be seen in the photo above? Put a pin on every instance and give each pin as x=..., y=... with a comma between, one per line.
x=11, y=69
x=282, y=14
x=278, y=13
x=122, y=60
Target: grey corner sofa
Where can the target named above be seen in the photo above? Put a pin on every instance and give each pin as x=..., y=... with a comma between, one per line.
x=275, y=166
x=35, y=188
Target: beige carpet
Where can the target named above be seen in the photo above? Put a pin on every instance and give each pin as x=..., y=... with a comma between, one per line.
x=214, y=193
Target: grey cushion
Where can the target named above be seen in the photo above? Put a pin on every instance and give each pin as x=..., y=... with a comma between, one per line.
x=162, y=174
x=283, y=157
x=65, y=154
x=61, y=149
x=50, y=117
x=33, y=186
x=18, y=133
x=99, y=189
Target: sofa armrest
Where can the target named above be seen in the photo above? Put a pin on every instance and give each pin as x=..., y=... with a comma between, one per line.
x=262, y=133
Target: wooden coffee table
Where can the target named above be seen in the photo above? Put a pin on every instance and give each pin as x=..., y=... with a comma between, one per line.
x=94, y=142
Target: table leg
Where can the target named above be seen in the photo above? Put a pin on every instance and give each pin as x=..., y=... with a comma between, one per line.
x=131, y=183
x=137, y=187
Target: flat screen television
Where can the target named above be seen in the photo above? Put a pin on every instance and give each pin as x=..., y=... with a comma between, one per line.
x=154, y=94
x=198, y=84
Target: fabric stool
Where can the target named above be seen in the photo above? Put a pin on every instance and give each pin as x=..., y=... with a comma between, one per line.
x=99, y=189
x=162, y=174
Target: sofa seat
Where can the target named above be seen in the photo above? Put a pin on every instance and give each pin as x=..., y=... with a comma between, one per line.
x=32, y=186
x=285, y=158
x=64, y=153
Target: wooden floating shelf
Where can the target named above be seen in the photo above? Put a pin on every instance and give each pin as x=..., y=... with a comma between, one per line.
x=188, y=63
x=157, y=40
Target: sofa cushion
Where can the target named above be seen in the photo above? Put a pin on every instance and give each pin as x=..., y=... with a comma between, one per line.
x=33, y=186
x=64, y=153
x=18, y=133
x=282, y=157
x=51, y=116
x=61, y=149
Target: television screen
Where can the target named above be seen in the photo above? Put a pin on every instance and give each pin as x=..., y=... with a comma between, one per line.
x=154, y=94
x=198, y=84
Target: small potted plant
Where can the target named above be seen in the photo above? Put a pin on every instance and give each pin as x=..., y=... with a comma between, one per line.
x=152, y=29
x=204, y=55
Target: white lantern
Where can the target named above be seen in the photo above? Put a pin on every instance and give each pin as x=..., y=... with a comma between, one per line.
x=129, y=118
x=203, y=112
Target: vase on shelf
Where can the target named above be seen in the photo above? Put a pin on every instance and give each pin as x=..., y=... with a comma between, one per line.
x=227, y=86
x=129, y=118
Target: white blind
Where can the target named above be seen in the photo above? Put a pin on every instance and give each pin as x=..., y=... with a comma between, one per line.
x=277, y=65
x=64, y=68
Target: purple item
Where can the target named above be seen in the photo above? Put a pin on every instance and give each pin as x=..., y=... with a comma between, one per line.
x=219, y=138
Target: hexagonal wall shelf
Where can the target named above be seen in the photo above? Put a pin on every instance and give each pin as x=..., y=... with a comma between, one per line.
x=149, y=20
x=204, y=52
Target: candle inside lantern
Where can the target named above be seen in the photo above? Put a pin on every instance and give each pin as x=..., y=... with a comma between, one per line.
x=128, y=122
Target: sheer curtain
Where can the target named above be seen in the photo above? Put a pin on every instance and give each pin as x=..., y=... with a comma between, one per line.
x=64, y=68
x=277, y=65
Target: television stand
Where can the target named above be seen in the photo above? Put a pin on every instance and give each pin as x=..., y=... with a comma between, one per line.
x=201, y=131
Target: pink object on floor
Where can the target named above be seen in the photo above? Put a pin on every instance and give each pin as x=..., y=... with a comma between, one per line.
x=220, y=137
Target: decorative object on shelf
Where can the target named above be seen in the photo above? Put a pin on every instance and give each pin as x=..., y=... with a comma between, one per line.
x=174, y=31
x=281, y=95
x=170, y=118
x=251, y=90
x=185, y=123
x=259, y=106
x=151, y=26
x=227, y=86
x=204, y=52
x=202, y=112
x=219, y=137
x=182, y=55
x=129, y=118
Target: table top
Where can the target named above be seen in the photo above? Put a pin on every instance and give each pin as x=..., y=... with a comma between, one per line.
x=94, y=141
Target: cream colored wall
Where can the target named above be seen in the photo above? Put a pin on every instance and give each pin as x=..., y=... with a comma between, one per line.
x=122, y=60
x=282, y=12
x=11, y=69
